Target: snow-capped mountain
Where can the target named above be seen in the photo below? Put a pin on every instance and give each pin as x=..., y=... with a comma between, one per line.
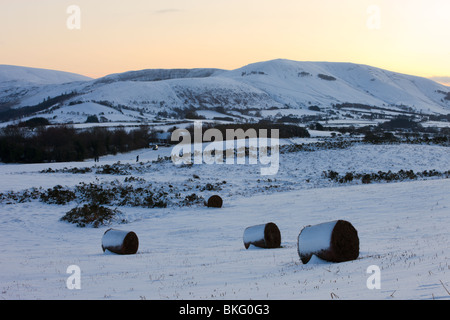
x=22, y=75
x=276, y=84
x=18, y=83
x=299, y=84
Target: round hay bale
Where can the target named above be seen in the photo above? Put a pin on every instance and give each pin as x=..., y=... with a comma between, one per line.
x=335, y=241
x=265, y=236
x=120, y=242
x=215, y=202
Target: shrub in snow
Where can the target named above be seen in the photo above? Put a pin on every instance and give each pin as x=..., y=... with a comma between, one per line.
x=211, y=187
x=155, y=200
x=115, y=169
x=92, y=215
x=95, y=193
x=192, y=199
x=366, y=179
x=58, y=195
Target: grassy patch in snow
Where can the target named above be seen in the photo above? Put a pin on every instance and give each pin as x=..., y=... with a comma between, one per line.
x=93, y=215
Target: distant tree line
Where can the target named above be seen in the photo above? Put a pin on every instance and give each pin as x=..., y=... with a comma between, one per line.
x=286, y=131
x=25, y=111
x=65, y=143
x=439, y=117
x=326, y=77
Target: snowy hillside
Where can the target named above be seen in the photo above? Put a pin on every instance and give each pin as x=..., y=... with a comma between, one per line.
x=300, y=84
x=160, y=74
x=272, y=85
x=37, y=76
x=24, y=86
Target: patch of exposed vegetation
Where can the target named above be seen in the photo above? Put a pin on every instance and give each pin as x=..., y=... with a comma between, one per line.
x=93, y=215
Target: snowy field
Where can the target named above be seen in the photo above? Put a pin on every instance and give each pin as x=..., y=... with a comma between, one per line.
x=197, y=253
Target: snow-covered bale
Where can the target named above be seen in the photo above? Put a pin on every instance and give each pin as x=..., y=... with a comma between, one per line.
x=265, y=236
x=335, y=241
x=214, y=202
x=120, y=242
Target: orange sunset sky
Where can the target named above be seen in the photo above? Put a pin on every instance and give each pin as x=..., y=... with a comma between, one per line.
x=407, y=36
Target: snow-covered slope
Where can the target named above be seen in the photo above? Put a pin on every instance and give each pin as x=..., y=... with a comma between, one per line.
x=300, y=84
x=276, y=84
x=37, y=76
x=24, y=86
x=159, y=75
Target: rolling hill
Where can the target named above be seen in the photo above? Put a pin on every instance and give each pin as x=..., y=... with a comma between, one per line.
x=272, y=85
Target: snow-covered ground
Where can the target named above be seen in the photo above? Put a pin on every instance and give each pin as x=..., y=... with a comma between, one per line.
x=198, y=253
x=21, y=75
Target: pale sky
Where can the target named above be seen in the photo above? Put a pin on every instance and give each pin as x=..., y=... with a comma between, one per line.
x=407, y=36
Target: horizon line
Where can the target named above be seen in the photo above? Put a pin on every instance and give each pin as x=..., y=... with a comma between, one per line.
x=441, y=79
